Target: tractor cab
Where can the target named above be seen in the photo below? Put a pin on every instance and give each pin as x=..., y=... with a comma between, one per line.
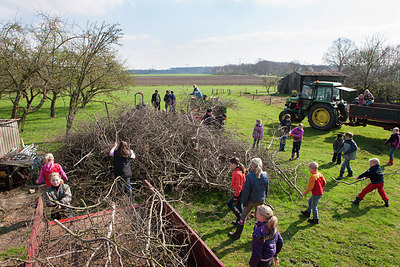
x=322, y=102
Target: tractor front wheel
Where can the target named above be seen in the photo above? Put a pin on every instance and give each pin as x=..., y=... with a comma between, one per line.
x=284, y=113
x=322, y=117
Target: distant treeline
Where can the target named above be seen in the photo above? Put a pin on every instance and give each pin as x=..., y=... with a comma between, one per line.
x=262, y=67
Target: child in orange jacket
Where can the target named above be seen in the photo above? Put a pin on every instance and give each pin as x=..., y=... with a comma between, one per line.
x=316, y=185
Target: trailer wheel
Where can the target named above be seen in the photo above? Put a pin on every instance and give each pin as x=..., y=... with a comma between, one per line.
x=322, y=117
x=343, y=114
x=284, y=113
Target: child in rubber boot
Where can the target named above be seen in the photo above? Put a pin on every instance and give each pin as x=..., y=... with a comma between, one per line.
x=297, y=139
x=267, y=241
x=349, y=149
x=254, y=192
x=377, y=182
x=238, y=179
x=316, y=185
x=337, y=144
x=394, y=141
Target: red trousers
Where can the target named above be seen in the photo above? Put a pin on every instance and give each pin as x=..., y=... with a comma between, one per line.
x=369, y=188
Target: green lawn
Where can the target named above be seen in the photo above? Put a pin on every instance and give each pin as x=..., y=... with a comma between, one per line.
x=346, y=236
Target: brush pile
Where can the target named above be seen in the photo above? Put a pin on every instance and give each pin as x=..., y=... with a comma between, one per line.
x=172, y=150
x=123, y=235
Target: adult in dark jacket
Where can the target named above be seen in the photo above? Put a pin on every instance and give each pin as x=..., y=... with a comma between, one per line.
x=254, y=192
x=156, y=100
x=122, y=163
x=167, y=100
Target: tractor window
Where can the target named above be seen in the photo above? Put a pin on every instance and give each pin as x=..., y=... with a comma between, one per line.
x=306, y=93
x=336, y=94
x=324, y=93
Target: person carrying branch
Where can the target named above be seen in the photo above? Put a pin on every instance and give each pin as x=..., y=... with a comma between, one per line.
x=122, y=164
x=196, y=92
x=254, y=192
x=377, y=182
x=48, y=168
x=238, y=179
x=316, y=185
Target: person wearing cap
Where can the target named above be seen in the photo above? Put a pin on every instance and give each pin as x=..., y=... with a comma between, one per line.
x=156, y=100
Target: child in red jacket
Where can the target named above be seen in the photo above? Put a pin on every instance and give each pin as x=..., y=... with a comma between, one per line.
x=316, y=185
x=238, y=179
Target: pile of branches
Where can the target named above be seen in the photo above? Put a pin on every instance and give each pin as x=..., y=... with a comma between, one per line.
x=172, y=150
x=123, y=236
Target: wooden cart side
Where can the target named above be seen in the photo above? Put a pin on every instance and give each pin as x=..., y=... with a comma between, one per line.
x=9, y=136
x=384, y=115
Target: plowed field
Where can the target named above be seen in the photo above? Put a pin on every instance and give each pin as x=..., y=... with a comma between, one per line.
x=199, y=80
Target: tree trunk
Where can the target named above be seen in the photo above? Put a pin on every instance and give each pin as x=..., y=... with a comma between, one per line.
x=53, y=105
x=16, y=105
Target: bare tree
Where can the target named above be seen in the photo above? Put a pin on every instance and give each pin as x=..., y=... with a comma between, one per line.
x=27, y=55
x=339, y=53
x=94, y=67
x=269, y=82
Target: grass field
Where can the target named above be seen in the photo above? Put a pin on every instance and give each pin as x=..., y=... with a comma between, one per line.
x=368, y=235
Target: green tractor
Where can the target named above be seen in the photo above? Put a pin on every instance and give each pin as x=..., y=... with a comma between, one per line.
x=322, y=102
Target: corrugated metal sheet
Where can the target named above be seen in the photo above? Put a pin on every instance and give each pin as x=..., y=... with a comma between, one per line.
x=9, y=136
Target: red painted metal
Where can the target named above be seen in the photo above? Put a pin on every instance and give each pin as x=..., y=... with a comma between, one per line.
x=36, y=234
x=200, y=253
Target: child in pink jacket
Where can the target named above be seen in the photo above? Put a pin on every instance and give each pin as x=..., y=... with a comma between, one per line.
x=258, y=133
x=48, y=168
x=297, y=134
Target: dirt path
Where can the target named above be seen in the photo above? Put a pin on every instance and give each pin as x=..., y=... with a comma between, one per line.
x=17, y=208
x=276, y=101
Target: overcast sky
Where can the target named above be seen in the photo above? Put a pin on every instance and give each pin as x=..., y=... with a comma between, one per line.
x=178, y=33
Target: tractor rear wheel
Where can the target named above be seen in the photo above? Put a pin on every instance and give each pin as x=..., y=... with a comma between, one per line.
x=322, y=117
x=284, y=113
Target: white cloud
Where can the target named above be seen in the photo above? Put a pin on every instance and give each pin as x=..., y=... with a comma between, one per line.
x=75, y=7
x=288, y=3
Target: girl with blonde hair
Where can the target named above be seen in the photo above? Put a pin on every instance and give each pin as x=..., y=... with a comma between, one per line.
x=48, y=168
x=254, y=192
x=267, y=241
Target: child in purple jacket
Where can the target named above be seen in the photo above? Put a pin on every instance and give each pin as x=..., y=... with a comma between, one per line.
x=297, y=134
x=394, y=141
x=258, y=133
x=267, y=241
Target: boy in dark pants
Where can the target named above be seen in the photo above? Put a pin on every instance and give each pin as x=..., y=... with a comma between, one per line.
x=349, y=149
x=337, y=144
x=377, y=182
x=284, y=128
